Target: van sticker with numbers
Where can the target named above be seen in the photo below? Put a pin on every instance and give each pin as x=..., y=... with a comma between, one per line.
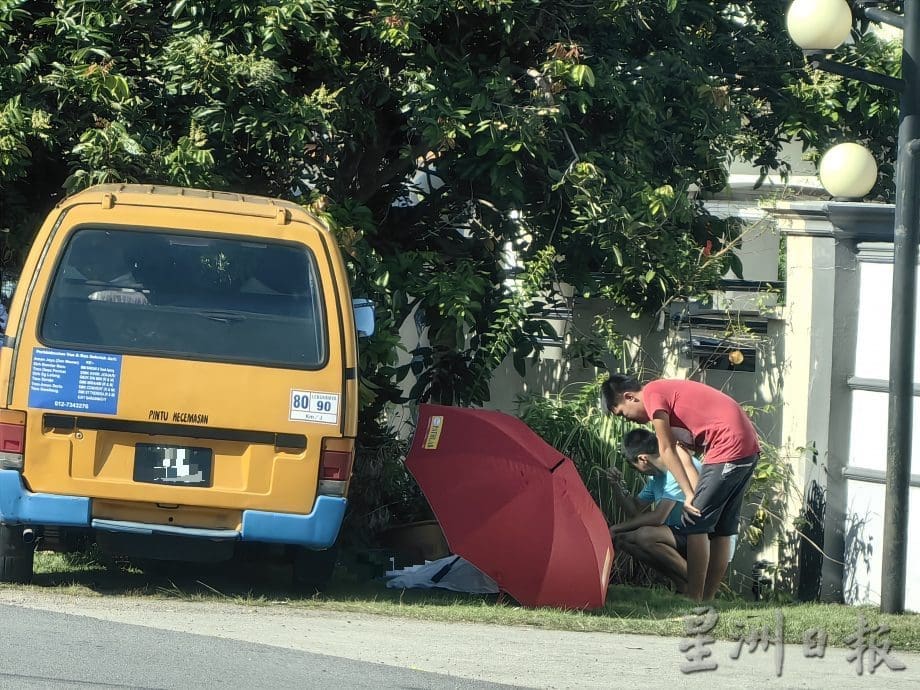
x=311, y=406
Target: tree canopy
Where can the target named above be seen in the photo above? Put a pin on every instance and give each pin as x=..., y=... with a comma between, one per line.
x=564, y=139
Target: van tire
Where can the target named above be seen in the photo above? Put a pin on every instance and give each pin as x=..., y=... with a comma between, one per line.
x=16, y=557
x=312, y=570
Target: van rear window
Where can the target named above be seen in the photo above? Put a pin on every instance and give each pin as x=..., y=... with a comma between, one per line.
x=187, y=296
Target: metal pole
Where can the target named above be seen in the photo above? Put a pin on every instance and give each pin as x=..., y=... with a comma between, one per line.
x=903, y=306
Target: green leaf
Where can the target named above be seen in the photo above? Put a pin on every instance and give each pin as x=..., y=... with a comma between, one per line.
x=734, y=263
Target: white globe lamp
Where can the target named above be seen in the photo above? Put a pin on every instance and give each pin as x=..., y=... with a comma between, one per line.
x=848, y=171
x=819, y=24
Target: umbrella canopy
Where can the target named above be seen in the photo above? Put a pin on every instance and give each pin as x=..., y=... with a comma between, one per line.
x=513, y=506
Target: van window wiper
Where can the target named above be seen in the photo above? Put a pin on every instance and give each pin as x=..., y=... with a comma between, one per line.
x=222, y=315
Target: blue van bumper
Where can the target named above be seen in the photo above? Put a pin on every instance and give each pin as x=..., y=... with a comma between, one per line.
x=318, y=530
x=19, y=506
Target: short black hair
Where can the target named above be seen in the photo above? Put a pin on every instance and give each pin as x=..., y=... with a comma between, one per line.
x=638, y=442
x=616, y=384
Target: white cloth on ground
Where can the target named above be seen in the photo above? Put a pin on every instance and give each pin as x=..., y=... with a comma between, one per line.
x=451, y=572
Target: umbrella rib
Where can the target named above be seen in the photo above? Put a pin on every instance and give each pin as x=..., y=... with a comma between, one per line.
x=583, y=528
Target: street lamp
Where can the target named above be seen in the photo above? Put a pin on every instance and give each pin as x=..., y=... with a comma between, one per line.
x=817, y=23
x=848, y=171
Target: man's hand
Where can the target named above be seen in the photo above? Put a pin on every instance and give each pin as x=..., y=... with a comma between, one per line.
x=690, y=512
x=614, y=476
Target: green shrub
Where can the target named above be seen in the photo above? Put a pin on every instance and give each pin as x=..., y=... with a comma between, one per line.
x=577, y=427
x=382, y=492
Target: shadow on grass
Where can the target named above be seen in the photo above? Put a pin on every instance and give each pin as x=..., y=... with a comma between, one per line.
x=271, y=582
x=233, y=579
x=241, y=582
x=633, y=610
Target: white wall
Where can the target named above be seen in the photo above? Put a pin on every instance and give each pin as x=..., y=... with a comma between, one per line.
x=868, y=449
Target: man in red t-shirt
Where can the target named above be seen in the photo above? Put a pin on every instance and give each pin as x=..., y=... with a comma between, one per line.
x=728, y=440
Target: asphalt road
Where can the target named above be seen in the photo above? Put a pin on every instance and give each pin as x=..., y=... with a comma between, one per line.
x=44, y=649
x=61, y=640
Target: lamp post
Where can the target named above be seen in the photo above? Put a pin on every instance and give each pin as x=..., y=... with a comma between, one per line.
x=817, y=26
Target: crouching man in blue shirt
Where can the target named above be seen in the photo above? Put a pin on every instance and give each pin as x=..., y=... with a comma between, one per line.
x=652, y=532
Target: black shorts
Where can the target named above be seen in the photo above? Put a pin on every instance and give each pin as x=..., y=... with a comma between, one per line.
x=719, y=497
x=680, y=539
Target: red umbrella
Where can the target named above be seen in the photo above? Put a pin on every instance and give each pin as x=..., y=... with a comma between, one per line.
x=513, y=506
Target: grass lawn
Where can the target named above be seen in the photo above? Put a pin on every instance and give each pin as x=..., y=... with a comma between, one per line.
x=628, y=609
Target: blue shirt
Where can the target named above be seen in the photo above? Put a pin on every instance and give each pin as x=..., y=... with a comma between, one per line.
x=665, y=486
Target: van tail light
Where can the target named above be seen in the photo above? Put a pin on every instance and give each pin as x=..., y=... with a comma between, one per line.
x=335, y=463
x=12, y=439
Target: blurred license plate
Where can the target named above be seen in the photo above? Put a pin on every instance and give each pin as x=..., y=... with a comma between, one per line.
x=176, y=465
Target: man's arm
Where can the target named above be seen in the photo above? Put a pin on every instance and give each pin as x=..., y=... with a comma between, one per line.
x=686, y=460
x=684, y=439
x=631, y=505
x=658, y=516
x=667, y=449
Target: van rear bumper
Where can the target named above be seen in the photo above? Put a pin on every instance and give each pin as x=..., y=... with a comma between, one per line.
x=19, y=506
x=318, y=530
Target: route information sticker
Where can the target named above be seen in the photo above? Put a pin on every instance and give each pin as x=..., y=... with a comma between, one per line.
x=75, y=381
x=310, y=406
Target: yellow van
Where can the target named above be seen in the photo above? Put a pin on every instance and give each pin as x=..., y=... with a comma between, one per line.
x=178, y=380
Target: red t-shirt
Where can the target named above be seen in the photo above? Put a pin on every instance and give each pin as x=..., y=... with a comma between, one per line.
x=717, y=422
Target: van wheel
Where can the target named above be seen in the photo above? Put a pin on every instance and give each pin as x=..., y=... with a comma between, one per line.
x=16, y=556
x=312, y=570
